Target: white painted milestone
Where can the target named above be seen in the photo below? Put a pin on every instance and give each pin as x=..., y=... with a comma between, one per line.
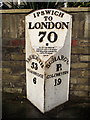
x=48, y=47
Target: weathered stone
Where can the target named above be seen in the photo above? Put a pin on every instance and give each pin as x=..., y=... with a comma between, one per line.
x=85, y=73
x=81, y=28
x=12, y=64
x=80, y=50
x=12, y=90
x=75, y=73
x=6, y=56
x=78, y=20
x=74, y=10
x=13, y=26
x=11, y=49
x=13, y=56
x=79, y=81
x=21, y=83
x=84, y=58
x=17, y=57
x=75, y=29
x=79, y=93
x=80, y=73
x=5, y=26
x=74, y=58
x=21, y=26
x=10, y=77
x=82, y=80
x=73, y=80
x=79, y=65
x=71, y=86
x=6, y=70
x=84, y=43
x=7, y=78
x=87, y=28
x=80, y=87
x=15, y=66
x=14, y=84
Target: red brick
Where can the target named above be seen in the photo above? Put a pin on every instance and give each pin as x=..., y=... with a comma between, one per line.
x=17, y=43
x=74, y=43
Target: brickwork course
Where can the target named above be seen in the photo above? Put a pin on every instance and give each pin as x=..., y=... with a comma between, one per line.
x=13, y=51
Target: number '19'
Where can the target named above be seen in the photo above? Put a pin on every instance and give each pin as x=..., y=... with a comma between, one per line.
x=57, y=82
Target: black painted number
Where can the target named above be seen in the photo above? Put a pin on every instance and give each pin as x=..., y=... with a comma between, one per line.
x=43, y=35
x=57, y=82
x=34, y=80
x=52, y=36
x=34, y=65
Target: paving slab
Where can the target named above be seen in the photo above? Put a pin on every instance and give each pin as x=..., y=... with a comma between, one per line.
x=17, y=106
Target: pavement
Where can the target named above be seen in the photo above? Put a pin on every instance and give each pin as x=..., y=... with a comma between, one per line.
x=17, y=106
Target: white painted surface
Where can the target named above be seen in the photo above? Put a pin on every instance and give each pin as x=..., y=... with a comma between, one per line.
x=42, y=89
x=56, y=95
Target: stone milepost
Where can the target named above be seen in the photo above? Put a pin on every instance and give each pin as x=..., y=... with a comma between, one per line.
x=48, y=47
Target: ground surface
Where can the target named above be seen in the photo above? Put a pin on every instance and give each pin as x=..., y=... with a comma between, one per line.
x=17, y=106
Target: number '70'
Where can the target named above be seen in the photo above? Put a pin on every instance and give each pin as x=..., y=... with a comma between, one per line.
x=51, y=36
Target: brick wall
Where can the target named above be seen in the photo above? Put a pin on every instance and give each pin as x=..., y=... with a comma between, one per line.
x=13, y=51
